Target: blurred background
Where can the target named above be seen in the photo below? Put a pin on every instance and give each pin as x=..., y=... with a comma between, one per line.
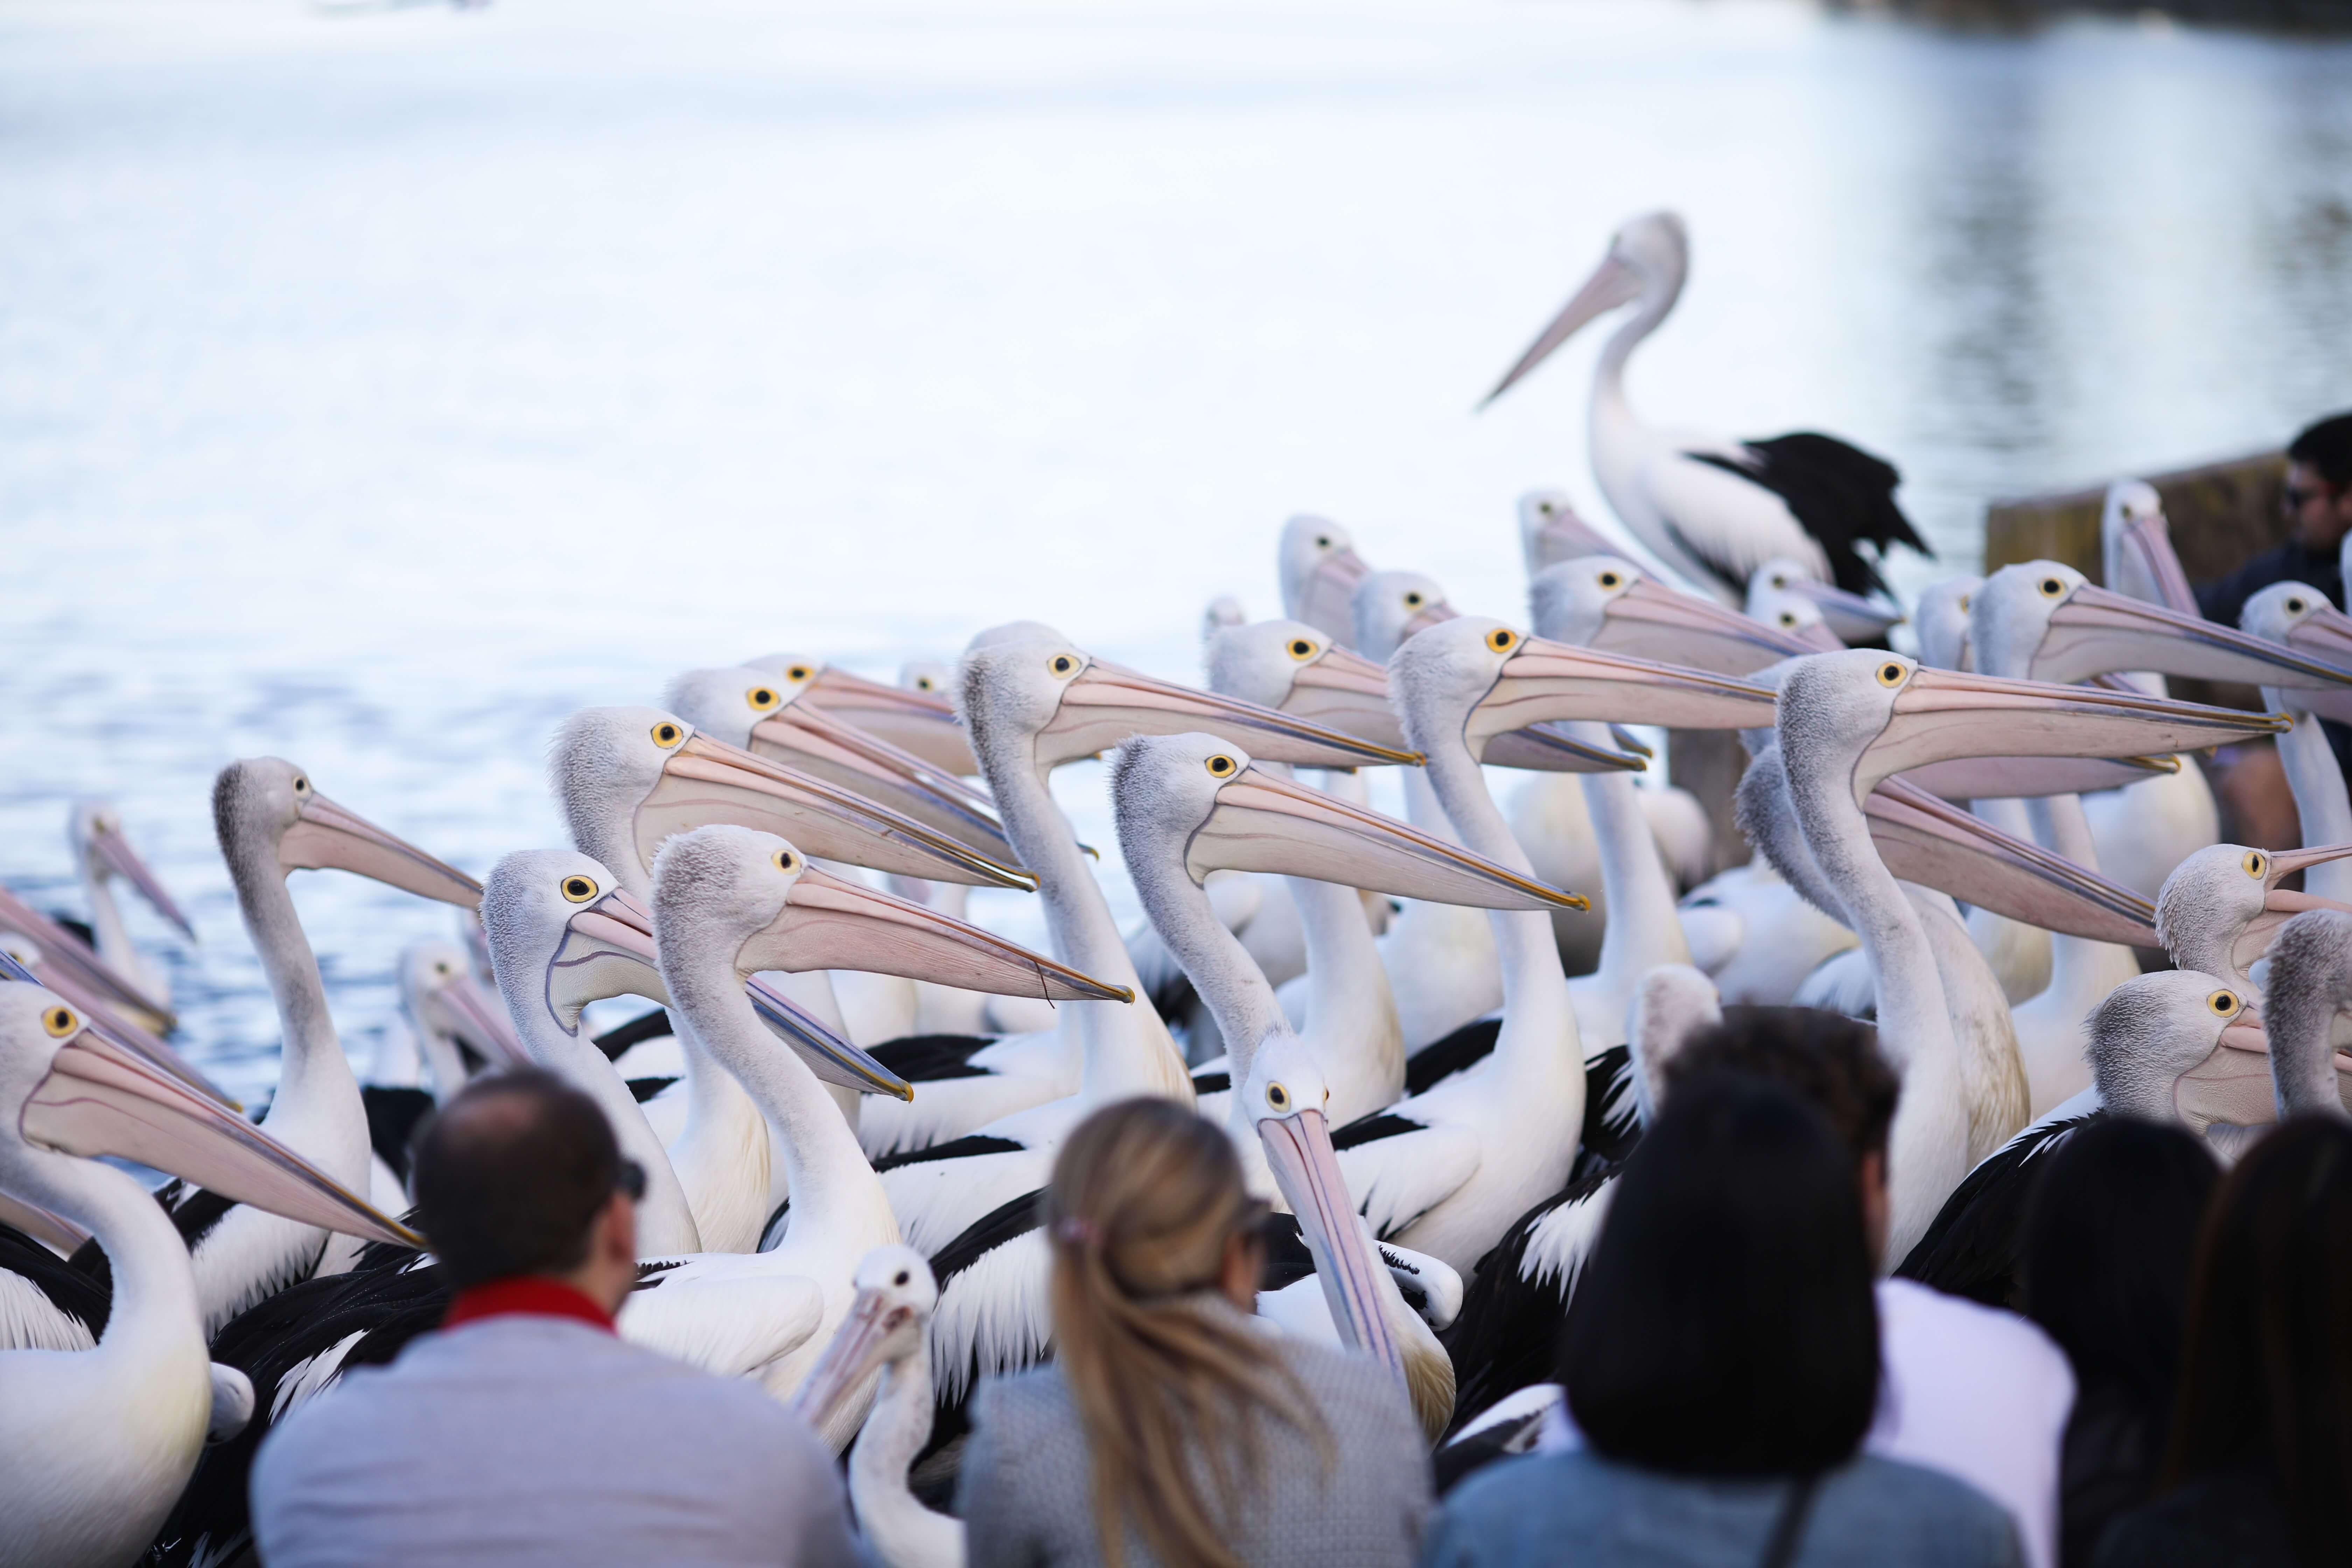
x=379, y=383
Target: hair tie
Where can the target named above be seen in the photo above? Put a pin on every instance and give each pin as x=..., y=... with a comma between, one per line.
x=1074, y=1230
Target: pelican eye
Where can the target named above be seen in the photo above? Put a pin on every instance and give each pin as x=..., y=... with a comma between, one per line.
x=579, y=889
x=1301, y=650
x=1322, y=542
x=1502, y=639
x=1413, y=600
x=1788, y=617
x=1779, y=579
x=2222, y=1003
x=1964, y=603
x=922, y=683
x=786, y=860
x=1544, y=507
x=2051, y=587
x=441, y=967
x=1278, y=1097
x=761, y=698
x=1221, y=766
x=1610, y=579
x=2254, y=863
x=1061, y=664
x=60, y=1022
x=2294, y=606
x=667, y=734
x=798, y=673
x=901, y=1277
x=1890, y=674
x=302, y=785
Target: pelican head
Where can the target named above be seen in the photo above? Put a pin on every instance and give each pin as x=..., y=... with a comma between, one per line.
x=2181, y=1045
x=1034, y=701
x=1200, y=800
x=2135, y=548
x=2045, y=620
x=1390, y=607
x=1319, y=569
x=94, y=831
x=1647, y=259
x=271, y=820
x=1940, y=617
x=2311, y=984
x=454, y=1016
x=627, y=778
x=2220, y=907
x=910, y=716
x=1551, y=532
x=2298, y=616
x=1221, y=613
x=1605, y=602
x=1290, y=666
x=887, y=1323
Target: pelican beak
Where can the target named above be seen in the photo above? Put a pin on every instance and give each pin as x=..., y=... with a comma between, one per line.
x=616, y=929
x=1328, y=599
x=2097, y=631
x=115, y=850
x=1848, y=617
x=466, y=1008
x=1651, y=621
x=2325, y=635
x=921, y=722
x=98, y=1099
x=2281, y=905
x=69, y=968
x=1298, y=1150
x=50, y=1228
x=1344, y=690
x=1924, y=840
x=1942, y=714
x=1550, y=749
x=1263, y=823
x=2149, y=539
x=707, y=780
x=1613, y=284
x=2233, y=1083
x=859, y=1347
x=103, y=1020
x=328, y=837
x=2029, y=778
x=802, y=735
x=831, y=922
x=1550, y=681
x=1105, y=705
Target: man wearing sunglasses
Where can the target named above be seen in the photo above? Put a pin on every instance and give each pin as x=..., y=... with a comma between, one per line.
x=2317, y=499
x=525, y=1431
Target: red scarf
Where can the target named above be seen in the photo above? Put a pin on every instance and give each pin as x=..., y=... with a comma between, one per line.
x=533, y=1294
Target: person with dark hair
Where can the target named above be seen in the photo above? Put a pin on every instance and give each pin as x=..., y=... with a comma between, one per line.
x=2258, y=1473
x=1171, y=1428
x=1721, y=1361
x=525, y=1431
x=2317, y=499
x=2109, y=1232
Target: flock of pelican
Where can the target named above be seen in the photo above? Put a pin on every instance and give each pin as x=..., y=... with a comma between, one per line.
x=848, y=1097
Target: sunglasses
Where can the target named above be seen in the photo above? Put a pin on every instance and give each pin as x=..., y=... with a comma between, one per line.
x=630, y=1179
x=2295, y=498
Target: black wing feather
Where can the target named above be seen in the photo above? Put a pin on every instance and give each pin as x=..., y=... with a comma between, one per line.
x=1842, y=495
x=1974, y=1247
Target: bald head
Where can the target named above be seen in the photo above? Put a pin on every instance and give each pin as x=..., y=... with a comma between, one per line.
x=511, y=1176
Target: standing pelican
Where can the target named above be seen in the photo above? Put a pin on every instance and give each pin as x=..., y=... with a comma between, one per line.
x=96, y=1444
x=1715, y=509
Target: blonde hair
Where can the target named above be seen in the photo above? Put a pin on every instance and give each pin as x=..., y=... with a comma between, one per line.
x=1146, y=1198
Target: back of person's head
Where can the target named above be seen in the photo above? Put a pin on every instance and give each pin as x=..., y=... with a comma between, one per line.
x=2267, y=1377
x=1145, y=1203
x=1829, y=1060
x=2109, y=1236
x=2328, y=446
x=1725, y=1324
x=511, y=1174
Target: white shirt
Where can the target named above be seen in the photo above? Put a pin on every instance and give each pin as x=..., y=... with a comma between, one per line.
x=1971, y=1391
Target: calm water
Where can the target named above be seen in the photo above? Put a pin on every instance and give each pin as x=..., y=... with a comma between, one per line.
x=374, y=388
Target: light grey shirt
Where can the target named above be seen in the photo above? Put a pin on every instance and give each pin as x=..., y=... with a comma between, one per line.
x=526, y=1440
x=1026, y=1490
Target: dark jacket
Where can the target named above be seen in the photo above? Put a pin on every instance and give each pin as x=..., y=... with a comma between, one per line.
x=2224, y=600
x=2227, y=1521
x=2115, y=1441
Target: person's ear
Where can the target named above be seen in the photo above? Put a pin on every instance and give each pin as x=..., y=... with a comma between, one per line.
x=1871, y=1178
x=1244, y=1267
x=619, y=1229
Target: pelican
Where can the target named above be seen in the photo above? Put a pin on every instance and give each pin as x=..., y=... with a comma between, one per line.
x=68, y=962
x=911, y=716
x=449, y=1029
x=98, y=1443
x=1446, y=1172
x=2311, y=987
x=103, y=854
x=885, y=1332
x=2299, y=616
x=1319, y=569
x=1783, y=587
x=2222, y=908
x=1714, y=509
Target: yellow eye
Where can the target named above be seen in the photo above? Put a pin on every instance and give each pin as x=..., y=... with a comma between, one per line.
x=761, y=698
x=2222, y=1003
x=1788, y=617
x=798, y=673
x=2294, y=606
x=1278, y=1097
x=579, y=889
x=1779, y=579
x=60, y=1022
x=922, y=683
x=667, y=734
x=1413, y=600
x=2051, y=587
x=302, y=785
x=1502, y=639
x=1221, y=766
x=786, y=860
x=1301, y=650
x=1890, y=674
x=2255, y=864
x=1964, y=602
x=1610, y=579
x=1061, y=664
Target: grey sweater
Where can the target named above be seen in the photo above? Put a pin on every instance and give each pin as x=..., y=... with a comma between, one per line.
x=1026, y=1491
x=537, y=1440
